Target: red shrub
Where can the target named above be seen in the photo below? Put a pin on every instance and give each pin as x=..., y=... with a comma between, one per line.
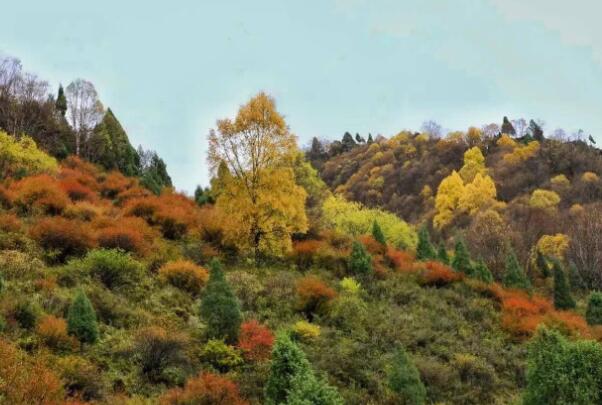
x=313, y=294
x=372, y=245
x=439, y=275
x=185, y=275
x=64, y=237
x=379, y=267
x=130, y=234
x=76, y=190
x=255, y=341
x=206, y=388
x=401, y=261
x=39, y=193
x=115, y=183
x=132, y=192
x=53, y=332
x=6, y=197
x=9, y=223
x=305, y=251
x=83, y=168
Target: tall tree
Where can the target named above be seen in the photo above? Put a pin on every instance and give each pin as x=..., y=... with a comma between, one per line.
x=348, y=142
x=260, y=196
x=593, y=314
x=377, y=233
x=536, y=131
x=562, y=292
x=61, y=101
x=507, y=127
x=515, y=276
x=153, y=171
x=481, y=272
x=404, y=380
x=81, y=319
x=219, y=307
x=85, y=110
x=461, y=259
x=424, y=249
x=442, y=255
x=360, y=261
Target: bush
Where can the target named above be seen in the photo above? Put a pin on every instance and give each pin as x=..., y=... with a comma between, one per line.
x=220, y=356
x=53, y=332
x=404, y=380
x=360, y=262
x=82, y=379
x=114, y=268
x=39, y=194
x=77, y=191
x=9, y=223
x=26, y=314
x=594, y=309
x=128, y=234
x=350, y=286
x=255, y=341
x=185, y=275
x=438, y=275
x=206, y=388
x=305, y=331
x=157, y=350
x=313, y=294
x=304, y=252
x=23, y=157
x=62, y=237
x=401, y=261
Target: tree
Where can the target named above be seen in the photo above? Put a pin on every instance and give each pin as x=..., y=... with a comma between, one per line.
x=449, y=193
x=519, y=125
x=310, y=390
x=507, y=127
x=360, y=261
x=359, y=138
x=478, y=195
x=536, y=131
x=515, y=276
x=85, y=110
x=542, y=264
x=219, y=307
x=153, y=171
x=377, y=233
x=61, y=101
x=481, y=272
x=593, y=314
x=432, y=128
x=424, y=249
x=260, y=196
x=288, y=363
x=442, y=255
x=203, y=196
x=370, y=141
x=461, y=259
x=562, y=293
x=474, y=163
x=81, y=319
x=348, y=142
x=404, y=379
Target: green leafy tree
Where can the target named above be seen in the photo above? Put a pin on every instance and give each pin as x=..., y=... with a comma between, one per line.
x=593, y=314
x=404, y=380
x=542, y=264
x=562, y=292
x=461, y=259
x=219, y=307
x=61, y=101
x=514, y=276
x=288, y=364
x=442, y=255
x=360, y=261
x=153, y=171
x=377, y=233
x=81, y=319
x=424, y=249
x=310, y=390
x=481, y=272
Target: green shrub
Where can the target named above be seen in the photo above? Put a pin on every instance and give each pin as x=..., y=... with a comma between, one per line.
x=81, y=319
x=593, y=313
x=562, y=293
x=461, y=260
x=220, y=356
x=113, y=267
x=424, y=249
x=405, y=381
x=377, y=233
x=26, y=313
x=360, y=261
x=514, y=276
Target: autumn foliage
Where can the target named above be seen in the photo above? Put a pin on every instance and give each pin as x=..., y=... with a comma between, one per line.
x=206, y=388
x=185, y=275
x=436, y=274
x=255, y=341
x=41, y=194
x=313, y=294
x=66, y=237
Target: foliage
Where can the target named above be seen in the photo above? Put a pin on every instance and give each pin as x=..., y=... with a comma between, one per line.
x=515, y=276
x=39, y=194
x=553, y=245
x=156, y=350
x=461, y=260
x=313, y=294
x=308, y=390
x=350, y=285
x=220, y=356
x=206, y=388
x=62, y=237
x=377, y=234
x=114, y=268
x=360, y=261
x=424, y=249
x=81, y=319
x=404, y=379
x=185, y=275
x=447, y=201
x=220, y=309
x=305, y=330
x=562, y=294
x=481, y=272
x=544, y=199
x=22, y=157
x=53, y=332
x=594, y=309
x=439, y=275
x=442, y=255
x=255, y=341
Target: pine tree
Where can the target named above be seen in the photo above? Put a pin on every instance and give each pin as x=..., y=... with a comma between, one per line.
x=404, y=380
x=442, y=255
x=81, y=319
x=461, y=259
x=535, y=131
x=219, y=307
x=481, y=272
x=360, y=261
x=370, y=140
x=424, y=249
x=507, y=127
x=61, y=101
x=288, y=363
x=542, y=264
x=312, y=390
x=348, y=143
x=377, y=233
x=593, y=313
x=562, y=292
x=515, y=276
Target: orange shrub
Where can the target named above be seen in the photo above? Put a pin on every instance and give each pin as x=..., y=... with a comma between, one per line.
x=185, y=275
x=83, y=210
x=84, y=168
x=77, y=191
x=115, y=183
x=53, y=332
x=401, y=261
x=130, y=234
x=372, y=245
x=313, y=294
x=6, y=197
x=438, y=275
x=64, y=237
x=255, y=341
x=9, y=223
x=45, y=285
x=304, y=252
x=132, y=192
x=206, y=388
x=39, y=193
x=379, y=267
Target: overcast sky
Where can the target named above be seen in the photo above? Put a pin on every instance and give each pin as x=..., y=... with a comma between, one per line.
x=169, y=69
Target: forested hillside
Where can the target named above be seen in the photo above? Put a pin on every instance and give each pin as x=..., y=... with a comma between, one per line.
x=415, y=269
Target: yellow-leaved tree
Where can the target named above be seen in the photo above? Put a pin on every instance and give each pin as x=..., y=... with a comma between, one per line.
x=22, y=157
x=479, y=194
x=447, y=201
x=474, y=163
x=256, y=184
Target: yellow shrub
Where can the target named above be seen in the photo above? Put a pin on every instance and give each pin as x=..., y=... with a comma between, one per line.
x=305, y=330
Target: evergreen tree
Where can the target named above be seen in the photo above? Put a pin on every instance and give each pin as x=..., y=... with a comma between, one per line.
x=481, y=272
x=515, y=276
x=310, y=390
x=316, y=154
x=288, y=364
x=219, y=307
x=370, y=140
x=535, y=131
x=593, y=313
x=507, y=127
x=377, y=233
x=359, y=138
x=404, y=380
x=424, y=249
x=203, y=196
x=348, y=143
x=153, y=171
x=461, y=259
x=542, y=264
x=81, y=319
x=360, y=261
x=562, y=293
x=442, y=255
x=61, y=101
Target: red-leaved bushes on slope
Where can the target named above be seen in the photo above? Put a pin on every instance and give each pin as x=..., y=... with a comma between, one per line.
x=313, y=294
x=206, y=388
x=255, y=341
x=39, y=194
x=63, y=237
x=436, y=274
x=184, y=275
x=127, y=233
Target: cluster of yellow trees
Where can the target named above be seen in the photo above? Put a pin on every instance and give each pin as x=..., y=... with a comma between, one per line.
x=19, y=157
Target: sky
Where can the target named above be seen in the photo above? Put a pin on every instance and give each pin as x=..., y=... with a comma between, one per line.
x=169, y=70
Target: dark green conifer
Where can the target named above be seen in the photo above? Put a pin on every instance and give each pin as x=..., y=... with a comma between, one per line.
x=593, y=314
x=377, y=233
x=404, y=380
x=507, y=127
x=61, y=101
x=562, y=293
x=424, y=249
x=542, y=264
x=81, y=319
x=360, y=261
x=514, y=276
x=442, y=255
x=481, y=272
x=461, y=259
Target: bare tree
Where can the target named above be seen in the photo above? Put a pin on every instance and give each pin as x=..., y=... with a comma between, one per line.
x=559, y=134
x=84, y=110
x=586, y=245
x=432, y=128
x=490, y=130
x=10, y=75
x=520, y=125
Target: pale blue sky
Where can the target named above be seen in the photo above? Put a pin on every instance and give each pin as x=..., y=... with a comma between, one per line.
x=169, y=69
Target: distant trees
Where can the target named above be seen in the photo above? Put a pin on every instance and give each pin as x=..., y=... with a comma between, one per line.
x=507, y=127
x=515, y=276
x=85, y=110
x=432, y=128
x=152, y=170
x=259, y=194
x=562, y=293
